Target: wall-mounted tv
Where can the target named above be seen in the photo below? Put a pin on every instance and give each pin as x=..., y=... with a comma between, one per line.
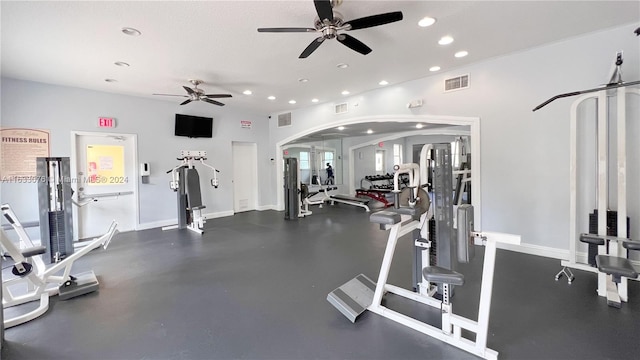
x=193, y=126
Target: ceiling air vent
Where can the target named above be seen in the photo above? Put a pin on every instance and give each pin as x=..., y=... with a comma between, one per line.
x=342, y=108
x=284, y=119
x=456, y=83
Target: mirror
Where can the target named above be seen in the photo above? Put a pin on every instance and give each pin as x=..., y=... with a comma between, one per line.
x=313, y=157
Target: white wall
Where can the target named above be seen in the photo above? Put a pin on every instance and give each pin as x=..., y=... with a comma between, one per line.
x=64, y=109
x=524, y=155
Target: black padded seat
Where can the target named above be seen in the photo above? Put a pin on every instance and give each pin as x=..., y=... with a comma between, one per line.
x=591, y=239
x=406, y=211
x=631, y=245
x=36, y=250
x=616, y=266
x=385, y=217
x=437, y=274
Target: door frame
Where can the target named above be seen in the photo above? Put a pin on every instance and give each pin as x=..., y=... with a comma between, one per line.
x=253, y=170
x=74, y=171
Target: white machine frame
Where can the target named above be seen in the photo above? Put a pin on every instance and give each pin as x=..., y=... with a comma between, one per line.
x=452, y=324
x=41, y=282
x=187, y=158
x=606, y=286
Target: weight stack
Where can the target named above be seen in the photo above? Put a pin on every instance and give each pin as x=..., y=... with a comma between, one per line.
x=612, y=230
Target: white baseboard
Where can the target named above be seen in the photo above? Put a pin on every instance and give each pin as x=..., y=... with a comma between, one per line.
x=156, y=224
x=266, y=207
x=554, y=253
x=218, y=214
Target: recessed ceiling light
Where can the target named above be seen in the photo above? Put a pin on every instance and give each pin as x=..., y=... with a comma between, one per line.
x=247, y=92
x=340, y=128
x=271, y=97
x=314, y=100
x=419, y=126
x=445, y=40
x=345, y=92
x=426, y=21
x=131, y=31
x=369, y=131
x=434, y=68
x=303, y=80
x=292, y=102
x=110, y=80
x=121, y=63
x=460, y=54
x=342, y=66
x=383, y=82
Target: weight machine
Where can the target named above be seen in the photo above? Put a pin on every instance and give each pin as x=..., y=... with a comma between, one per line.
x=409, y=215
x=185, y=181
x=609, y=239
x=34, y=281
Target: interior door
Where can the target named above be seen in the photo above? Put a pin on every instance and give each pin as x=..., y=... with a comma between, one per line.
x=245, y=174
x=106, y=186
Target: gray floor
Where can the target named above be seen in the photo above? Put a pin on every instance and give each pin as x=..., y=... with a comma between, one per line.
x=255, y=286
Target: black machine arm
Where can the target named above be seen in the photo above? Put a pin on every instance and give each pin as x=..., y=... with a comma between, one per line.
x=606, y=87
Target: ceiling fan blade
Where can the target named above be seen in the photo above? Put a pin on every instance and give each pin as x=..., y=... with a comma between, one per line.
x=312, y=47
x=215, y=96
x=374, y=20
x=324, y=9
x=185, y=102
x=189, y=90
x=284, y=29
x=171, y=95
x=212, y=101
x=353, y=43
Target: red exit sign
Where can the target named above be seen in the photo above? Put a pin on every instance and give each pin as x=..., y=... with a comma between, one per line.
x=105, y=122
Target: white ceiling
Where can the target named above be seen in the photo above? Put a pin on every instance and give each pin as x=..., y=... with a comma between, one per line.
x=77, y=43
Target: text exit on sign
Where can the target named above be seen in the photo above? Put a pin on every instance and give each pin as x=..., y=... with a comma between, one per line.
x=105, y=122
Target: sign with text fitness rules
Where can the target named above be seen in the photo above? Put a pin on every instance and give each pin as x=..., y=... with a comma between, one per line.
x=18, y=152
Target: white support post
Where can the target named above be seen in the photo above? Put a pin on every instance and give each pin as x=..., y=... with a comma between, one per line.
x=603, y=187
x=386, y=265
x=622, y=184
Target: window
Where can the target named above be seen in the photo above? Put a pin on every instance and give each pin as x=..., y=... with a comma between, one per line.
x=397, y=154
x=304, y=160
x=328, y=158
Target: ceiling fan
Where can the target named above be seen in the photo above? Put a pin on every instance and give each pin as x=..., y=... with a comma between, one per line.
x=330, y=22
x=197, y=94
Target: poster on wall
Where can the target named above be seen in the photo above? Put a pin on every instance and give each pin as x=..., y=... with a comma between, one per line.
x=105, y=164
x=18, y=153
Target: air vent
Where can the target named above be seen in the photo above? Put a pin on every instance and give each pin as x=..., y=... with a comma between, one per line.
x=342, y=108
x=284, y=119
x=456, y=83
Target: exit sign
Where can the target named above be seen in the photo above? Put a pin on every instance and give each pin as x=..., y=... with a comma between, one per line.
x=105, y=122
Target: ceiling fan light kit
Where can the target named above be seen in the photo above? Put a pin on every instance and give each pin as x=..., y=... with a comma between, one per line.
x=331, y=25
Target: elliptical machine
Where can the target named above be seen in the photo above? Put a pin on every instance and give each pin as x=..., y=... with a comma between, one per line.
x=185, y=181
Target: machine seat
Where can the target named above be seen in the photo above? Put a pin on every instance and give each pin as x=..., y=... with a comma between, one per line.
x=616, y=266
x=385, y=217
x=437, y=274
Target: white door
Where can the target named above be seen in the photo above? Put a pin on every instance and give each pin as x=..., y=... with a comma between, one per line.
x=245, y=174
x=106, y=183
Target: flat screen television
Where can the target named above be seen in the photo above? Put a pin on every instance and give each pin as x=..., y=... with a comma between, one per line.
x=193, y=126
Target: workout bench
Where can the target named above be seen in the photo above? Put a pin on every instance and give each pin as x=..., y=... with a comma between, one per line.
x=614, y=266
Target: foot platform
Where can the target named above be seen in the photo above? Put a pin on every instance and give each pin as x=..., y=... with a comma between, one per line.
x=354, y=297
x=84, y=283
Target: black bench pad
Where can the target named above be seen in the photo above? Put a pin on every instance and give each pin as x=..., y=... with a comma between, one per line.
x=385, y=217
x=631, y=245
x=616, y=266
x=441, y=275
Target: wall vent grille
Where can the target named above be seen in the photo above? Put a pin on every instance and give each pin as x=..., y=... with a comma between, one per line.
x=284, y=119
x=342, y=108
x=456, y=83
